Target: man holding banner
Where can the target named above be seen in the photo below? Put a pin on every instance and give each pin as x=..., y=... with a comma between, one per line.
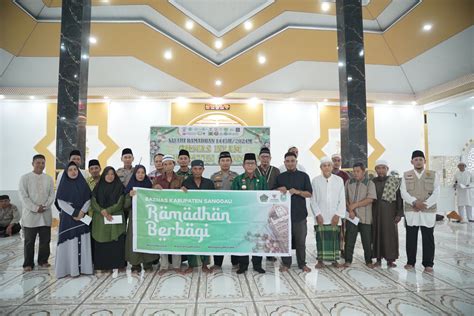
x=250, y=181
x=168, y=180
x=222, y=180
x=197, y=182
x=297, y=183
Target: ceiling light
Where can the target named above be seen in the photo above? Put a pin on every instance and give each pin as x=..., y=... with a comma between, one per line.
x=106, y=97
x=32, y=97
x=262, y=59
x=218, y=44
x=181, y=101
x=168, y=55
x=254, y=101
x=361, y=53
x=325, y=6
x=349, y=78
x=413, y=103
x=248, y=25
x=143, y=97
x=390, y=102
x=2, y=97
x=217, y=101
x=218, y=83
x=326, y=100
x=427, y=27
x=340, y=64
x=92, y=40
x=189, y=25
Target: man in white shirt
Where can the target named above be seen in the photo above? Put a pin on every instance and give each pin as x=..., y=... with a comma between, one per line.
x=76, y=157
x=293, y=149
x=420, y=191
x=37, y=196
x=328, y=204
x=463, y=184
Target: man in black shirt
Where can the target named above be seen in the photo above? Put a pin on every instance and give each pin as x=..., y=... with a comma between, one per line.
x=298, y=184
x=197, y=182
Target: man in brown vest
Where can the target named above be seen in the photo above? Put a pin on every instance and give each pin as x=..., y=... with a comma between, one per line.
x=420, y=190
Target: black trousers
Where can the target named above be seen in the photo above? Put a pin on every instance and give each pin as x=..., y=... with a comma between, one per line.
x=30, y=233
x=219, y=259
x=244, y=261
x=15, y=230
x=298, y=231
x=428, y=245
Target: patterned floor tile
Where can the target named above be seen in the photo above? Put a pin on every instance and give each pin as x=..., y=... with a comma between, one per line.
x=169, y=309
x=172, y=287
x=273, y=286
x=455, y=302
x=124, y=288
x=366, y=281
x=53, y=310
x=23, y=287
x=226, y=309
x=321, y=283
x=414, y=280
x=287, y=307
x=106, y=309
x=403, y=304
x=342, y=306
x=223, y=287
x=69, y=290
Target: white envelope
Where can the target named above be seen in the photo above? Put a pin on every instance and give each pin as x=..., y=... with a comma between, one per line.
x=116, y=219
x=354, y=221
x=86, y=219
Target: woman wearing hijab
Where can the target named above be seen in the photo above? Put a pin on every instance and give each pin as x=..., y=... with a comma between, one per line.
x=73, y=254
x=109, y=239
x=139, y=179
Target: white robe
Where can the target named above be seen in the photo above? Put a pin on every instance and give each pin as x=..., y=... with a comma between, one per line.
x=328, y=198
x=465, y=195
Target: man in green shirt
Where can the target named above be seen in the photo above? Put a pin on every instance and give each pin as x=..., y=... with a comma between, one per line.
x=249, y=180
x=183, y=162
x=94, y=171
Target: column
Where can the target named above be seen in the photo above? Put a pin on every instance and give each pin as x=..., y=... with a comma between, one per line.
x=73, y=79
x=350, y=39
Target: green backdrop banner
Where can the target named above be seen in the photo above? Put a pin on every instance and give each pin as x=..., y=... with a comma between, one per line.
x=211, y=222
x=205, y=143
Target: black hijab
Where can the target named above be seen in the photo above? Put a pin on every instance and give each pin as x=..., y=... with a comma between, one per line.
x=145, y=183
x=75, y=191
x=108, y=194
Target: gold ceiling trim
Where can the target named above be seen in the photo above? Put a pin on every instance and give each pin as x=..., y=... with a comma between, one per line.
x=30, y=39
x=369, y=12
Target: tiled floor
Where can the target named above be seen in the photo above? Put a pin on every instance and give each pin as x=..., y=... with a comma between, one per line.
x=353, y=291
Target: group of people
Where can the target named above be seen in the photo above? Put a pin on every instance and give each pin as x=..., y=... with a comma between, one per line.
x=96, y=227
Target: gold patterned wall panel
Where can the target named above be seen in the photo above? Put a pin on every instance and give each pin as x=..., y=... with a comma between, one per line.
x=97, y=116
x=329, y=119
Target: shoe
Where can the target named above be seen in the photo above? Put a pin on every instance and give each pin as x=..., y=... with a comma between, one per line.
x=44, y=265
x=27, y=269
x=258, y=269
x=409, y=267
x=428, y=269
x=136, y=269
x=271, y=259
x=242, y=270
